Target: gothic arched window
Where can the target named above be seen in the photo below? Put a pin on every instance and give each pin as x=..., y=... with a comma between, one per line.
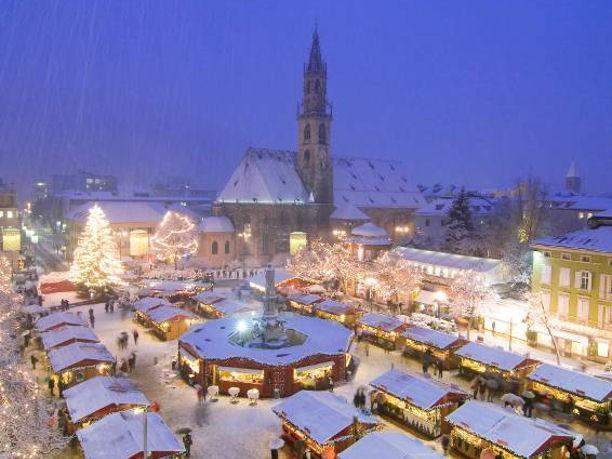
x=215, y=248
x=307, y=157
x=307, y=133
x=317, y=86
x=227, y=247
x=322, y=134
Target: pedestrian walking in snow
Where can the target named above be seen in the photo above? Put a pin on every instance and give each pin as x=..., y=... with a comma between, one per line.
x=200, y=394
x=34, y=361
x=132, y=362
x=367, y=349
x=135, y=335
x=187, y=442
x=51, y=385
x=331, y=383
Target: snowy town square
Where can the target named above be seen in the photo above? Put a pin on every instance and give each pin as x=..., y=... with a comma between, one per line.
x=412, y=262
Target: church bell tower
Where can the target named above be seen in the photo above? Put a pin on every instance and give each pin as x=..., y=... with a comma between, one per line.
x=314, y=129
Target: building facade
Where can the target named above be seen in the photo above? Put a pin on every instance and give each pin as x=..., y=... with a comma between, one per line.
x=573, y=275
x=10, y=222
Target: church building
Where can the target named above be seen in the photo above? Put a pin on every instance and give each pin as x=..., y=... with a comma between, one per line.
x=278, y=199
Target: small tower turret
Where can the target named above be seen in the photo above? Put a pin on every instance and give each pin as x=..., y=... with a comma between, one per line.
x=572, y=179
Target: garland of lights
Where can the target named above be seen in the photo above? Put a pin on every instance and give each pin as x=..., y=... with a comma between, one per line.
x=176, y=238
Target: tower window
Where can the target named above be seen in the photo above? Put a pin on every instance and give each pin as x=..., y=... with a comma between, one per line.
x=215, y=248
x=322, y=134
x=307, y=133
x=317, y=86
x=307, y=157
x=227, y=247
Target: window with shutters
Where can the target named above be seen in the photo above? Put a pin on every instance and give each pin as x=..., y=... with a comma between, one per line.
x=563, y=306
x=605, y=287
x=546, y=274
x=582, y=312
x=583, y=280
x=546, y=300
x=564, y=277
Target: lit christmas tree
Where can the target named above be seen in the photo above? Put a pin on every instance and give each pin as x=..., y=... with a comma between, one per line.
x=5, y=275
x=176, y=238
x=96, y=266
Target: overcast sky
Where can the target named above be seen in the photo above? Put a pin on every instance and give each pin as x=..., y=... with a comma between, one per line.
x=478, y=92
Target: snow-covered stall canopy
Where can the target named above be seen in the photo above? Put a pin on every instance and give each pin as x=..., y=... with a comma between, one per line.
x=422, y=392
x=580, y=384
x=230, y=307
x=170, y=287
x=146, y=304
x=381, y=322
x=102, y=393
x=258, y=281
x=389, y=445
x=120, y=436
x=79, y=355
x=207, y=297
x=334, y=307
x=517, y=434
x=59, y=319
x=494, y=357
x=67, y=334
x=167, y=313
x=369, y=234
x=215, y=224
x=321, y=415
x=306, y=299
x=431, y=337
x=213, y=340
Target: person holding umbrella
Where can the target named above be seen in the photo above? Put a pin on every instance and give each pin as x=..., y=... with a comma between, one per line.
x=528, y=396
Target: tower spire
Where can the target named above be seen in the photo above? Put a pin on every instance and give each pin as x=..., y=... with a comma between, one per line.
x=315, y=62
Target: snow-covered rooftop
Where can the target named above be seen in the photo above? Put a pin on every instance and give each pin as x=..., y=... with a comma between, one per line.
x=270, y=176
x=73, y=355
x=519, y=434
x=119, y=435
x=321, y=414
x=389, y=445
x=229, y=307
x=381, y=321
x=90, y=396
x=491, y=356
x=58, y=336
x=572, y=381
x=597, y=239
x=171, y=286
x=280, y=275
x=334, y=307
x=216, y=225
x=418, y=390
x=166, y=313
x=431, y=337
x=369, y=229
x=211, y=340
x=122, y=212
x=304, y=298
x=448, y=260
x=208, y=297
x=348, y=212
x=59, y=318
x=479, y=206
x=148, y=303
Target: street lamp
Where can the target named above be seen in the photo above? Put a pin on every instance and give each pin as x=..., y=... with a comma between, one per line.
x=371, y=283
x=440, y=297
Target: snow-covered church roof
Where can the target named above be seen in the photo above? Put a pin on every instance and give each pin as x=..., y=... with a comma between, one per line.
x=270, y=176
x=216, y=225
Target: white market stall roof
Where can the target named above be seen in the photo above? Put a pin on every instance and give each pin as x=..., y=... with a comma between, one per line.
x=64, y=358
x=493, y=356
x=97, y=393
x=58, y=336
x=381, y=321
x=349, y=213
x=211, y=340
x=119, y=435
x=431, y=337
x=59, y=318
x=229, y=307
x=208, y=297
x=166, y=313
x=122, y=212
x=280, y=275
x=448, y=260
x=216, y=225
x=369, y=229
x=389, y=445
x=596, y=239
x=334, y=307
x=322, y=415
x=521, y=435
x=417, y=390
x=149, y=303
x=572, y=381
x=171, y=286
x=304, y=298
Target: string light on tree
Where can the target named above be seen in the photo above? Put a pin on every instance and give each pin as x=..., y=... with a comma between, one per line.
x=96, y=266
x=176, y=238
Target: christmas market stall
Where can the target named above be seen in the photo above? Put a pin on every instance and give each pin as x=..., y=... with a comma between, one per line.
x=120, y=436
x=334, y=310
x=144, y=305
x=418, y=340
x=482, y=429
x=582, y=394
x=226, y=308
x=380, y=329
x=58, y=319
x=67, y=334
x=324, y=421
x=303, y=303
x=97, y=397
x=78, y=362
x=477, y=358
x=169, y=322
x=307, y=352
x=416, y=402
x=284, y=282
x=389, y=445
x=204, y=303
x=174, y=291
